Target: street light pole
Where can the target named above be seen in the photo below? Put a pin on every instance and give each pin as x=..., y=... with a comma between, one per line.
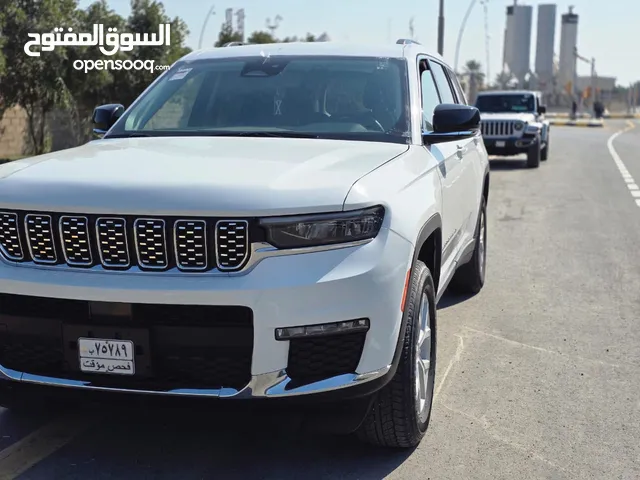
x=441, y=28
x=460, y=32
x=204, y=25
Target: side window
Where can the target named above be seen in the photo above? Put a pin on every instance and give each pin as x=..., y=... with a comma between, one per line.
x=443, y=83
x=456, y=86
x=430, y=98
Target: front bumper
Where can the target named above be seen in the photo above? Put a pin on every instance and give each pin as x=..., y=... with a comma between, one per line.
x=365, y=281
x=509, y=146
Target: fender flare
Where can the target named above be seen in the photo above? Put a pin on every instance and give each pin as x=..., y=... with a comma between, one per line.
x=434, y=223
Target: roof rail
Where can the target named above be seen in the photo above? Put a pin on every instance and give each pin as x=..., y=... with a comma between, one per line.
x=234, y=44
x=407, y=41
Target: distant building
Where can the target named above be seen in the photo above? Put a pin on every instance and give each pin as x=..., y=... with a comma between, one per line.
x=568, y=45
x=545, y=41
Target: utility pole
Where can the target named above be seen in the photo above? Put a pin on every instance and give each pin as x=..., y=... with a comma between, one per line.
x=441, y=28
x=593, y=81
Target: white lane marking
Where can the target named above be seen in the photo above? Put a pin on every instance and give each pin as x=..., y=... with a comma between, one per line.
x=455, y=359
x=626, y=176
x=38, y=445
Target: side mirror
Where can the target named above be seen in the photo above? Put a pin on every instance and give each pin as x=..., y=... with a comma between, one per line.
x=104, y=117
x=542, y=109
x=452, y=121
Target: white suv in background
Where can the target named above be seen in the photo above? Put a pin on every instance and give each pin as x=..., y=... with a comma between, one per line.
x=263, y=222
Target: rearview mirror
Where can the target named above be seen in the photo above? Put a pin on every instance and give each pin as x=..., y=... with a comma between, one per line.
x=104, y=117
x=452, y=121
x=542, y=109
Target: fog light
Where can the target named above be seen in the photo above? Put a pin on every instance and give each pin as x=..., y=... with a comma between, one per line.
x=349, y=326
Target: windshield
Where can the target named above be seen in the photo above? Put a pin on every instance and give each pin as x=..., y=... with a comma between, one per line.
x=506, y=103
x=293, y=96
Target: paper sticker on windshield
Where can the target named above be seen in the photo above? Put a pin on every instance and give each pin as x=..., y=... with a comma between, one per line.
x=383, y=63
x=180, y=74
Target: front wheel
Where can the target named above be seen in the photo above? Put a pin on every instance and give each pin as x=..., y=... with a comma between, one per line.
x=544, y=154
x=533, y=155
x=400, y=412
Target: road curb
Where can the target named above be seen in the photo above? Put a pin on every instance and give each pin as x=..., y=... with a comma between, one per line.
x=577, y=123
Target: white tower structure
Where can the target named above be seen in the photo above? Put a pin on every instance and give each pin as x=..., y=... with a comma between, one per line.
x=568, y=48
x=545, y=41
x=520, y=39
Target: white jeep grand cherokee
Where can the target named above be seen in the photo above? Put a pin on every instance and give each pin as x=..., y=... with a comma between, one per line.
x=262, y=222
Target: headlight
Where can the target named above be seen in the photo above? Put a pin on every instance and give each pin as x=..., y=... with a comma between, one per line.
x=323, y=229
x=518, y=126
x=532, y=128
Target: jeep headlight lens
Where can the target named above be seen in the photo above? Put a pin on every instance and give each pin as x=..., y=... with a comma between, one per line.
x=518, y=126
x=323, y=229
x=532, y=129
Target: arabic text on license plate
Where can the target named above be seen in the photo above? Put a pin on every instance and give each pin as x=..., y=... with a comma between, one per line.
x=500, y=144
x=115, y=357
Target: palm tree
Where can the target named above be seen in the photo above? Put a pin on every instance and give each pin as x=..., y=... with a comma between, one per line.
x=475, y=75
x=505, y=80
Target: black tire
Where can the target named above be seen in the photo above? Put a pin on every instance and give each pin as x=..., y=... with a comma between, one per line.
x=533, y=155
x=544, y=154
x=394, y=419
x=469, y=278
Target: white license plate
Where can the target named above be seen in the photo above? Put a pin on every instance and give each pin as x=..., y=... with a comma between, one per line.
x=115, y=357
x=500, y=144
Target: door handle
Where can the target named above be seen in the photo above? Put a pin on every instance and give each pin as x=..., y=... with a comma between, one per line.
x=461, y=151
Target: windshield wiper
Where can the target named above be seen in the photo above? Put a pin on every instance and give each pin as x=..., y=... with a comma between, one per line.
x=127, y=135
x=283, y=134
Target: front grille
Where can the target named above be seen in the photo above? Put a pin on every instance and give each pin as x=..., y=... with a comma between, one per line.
x=10, y=243
x=177, y=346
x=151, y=243
x=74, y=234
x=318, y=358
x=119, y=243
x=497, y=128
x=40, y=238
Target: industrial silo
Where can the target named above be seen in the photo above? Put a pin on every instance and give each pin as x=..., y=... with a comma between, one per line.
x=545, y=41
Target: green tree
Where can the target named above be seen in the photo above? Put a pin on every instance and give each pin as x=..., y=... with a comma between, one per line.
x=261, y=37
x=226, y=35
x=36, y=83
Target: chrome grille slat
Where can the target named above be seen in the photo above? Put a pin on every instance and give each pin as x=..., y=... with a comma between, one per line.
x=113, y=246
x=39, y=231
x=151, y=243
x=10, y=243
x=74, y=235
x=190, y=243
x=497, y=128
x=232, y=243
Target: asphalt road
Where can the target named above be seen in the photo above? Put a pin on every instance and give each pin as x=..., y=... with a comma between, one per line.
x=538, y=375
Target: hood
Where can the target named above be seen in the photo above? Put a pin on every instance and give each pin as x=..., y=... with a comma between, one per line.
x=522, y=116
x=193, y=176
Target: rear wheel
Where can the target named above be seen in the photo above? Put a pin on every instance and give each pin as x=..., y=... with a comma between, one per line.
x=400, y=412
x=469, y=278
